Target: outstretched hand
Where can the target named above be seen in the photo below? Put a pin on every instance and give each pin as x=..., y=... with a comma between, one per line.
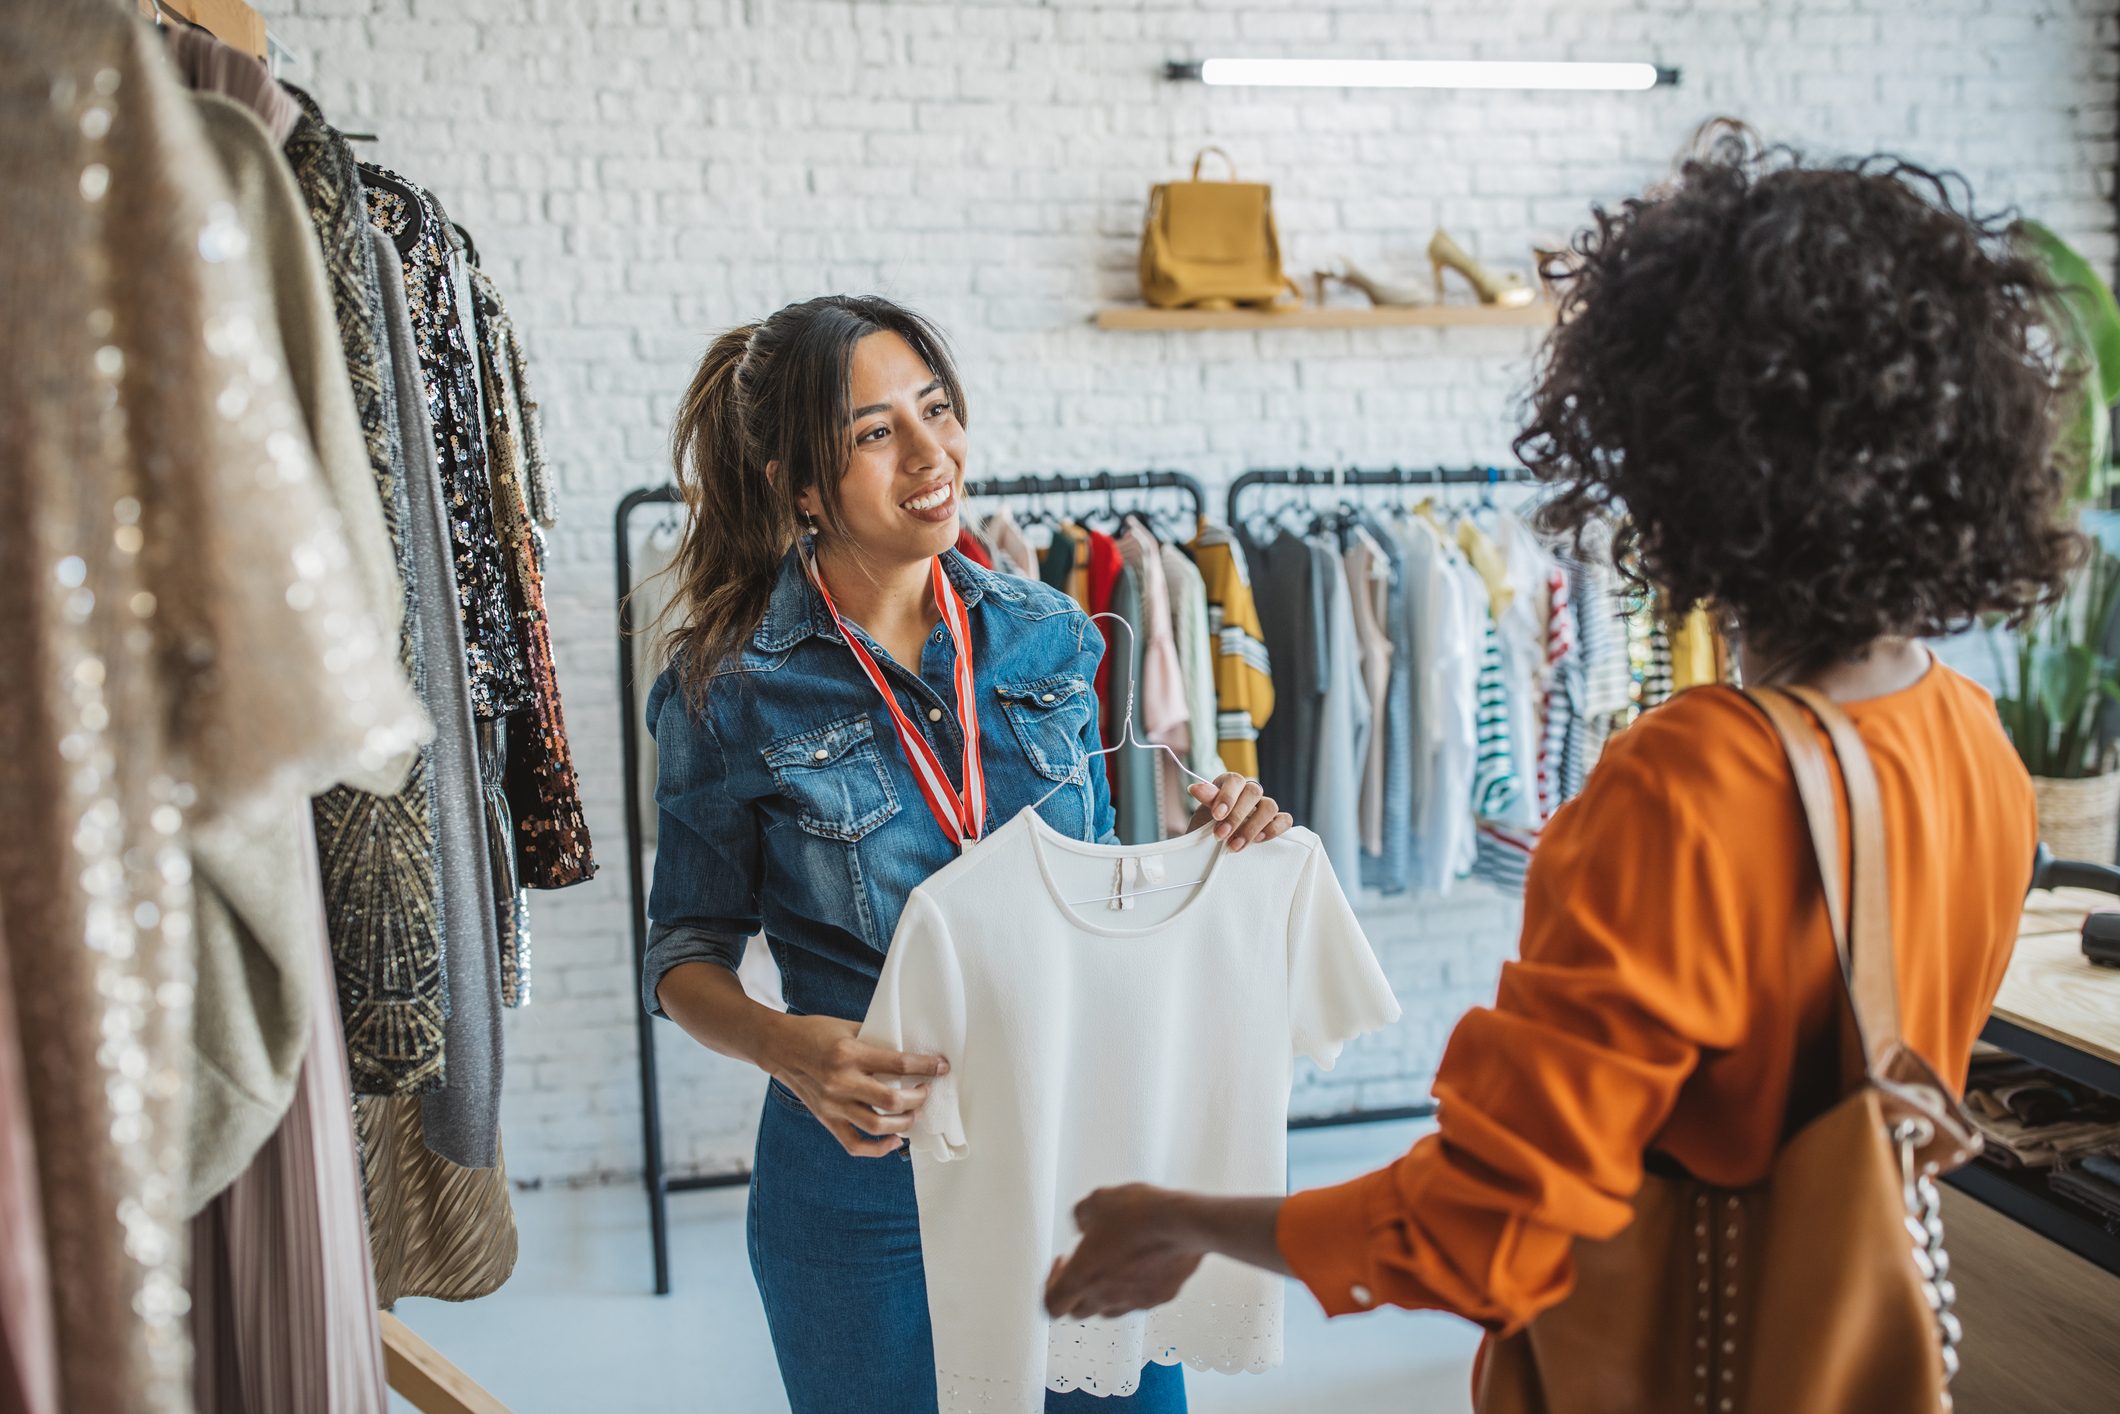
x=1132, y=1255
x=1141, y=1244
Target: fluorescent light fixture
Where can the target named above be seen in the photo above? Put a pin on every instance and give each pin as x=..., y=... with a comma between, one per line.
x=1420, y=73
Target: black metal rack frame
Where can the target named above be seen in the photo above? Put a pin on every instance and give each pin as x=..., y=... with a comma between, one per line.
x=1358, y=477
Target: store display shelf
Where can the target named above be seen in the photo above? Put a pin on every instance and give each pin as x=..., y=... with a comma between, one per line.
x=2024, y=1196
x=1143, y=318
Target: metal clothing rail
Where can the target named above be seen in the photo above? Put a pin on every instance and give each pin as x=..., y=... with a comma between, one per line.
x=660, y=1184
x=1372, y=476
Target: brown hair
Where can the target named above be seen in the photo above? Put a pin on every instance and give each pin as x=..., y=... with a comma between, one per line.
x=767, y=393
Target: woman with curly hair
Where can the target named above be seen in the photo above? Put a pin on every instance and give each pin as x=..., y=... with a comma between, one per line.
x=1822, y=401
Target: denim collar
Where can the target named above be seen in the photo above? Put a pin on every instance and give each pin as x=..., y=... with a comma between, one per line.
x=796, y=610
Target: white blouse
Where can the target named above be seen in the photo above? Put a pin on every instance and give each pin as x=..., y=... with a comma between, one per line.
x=1150, y=1039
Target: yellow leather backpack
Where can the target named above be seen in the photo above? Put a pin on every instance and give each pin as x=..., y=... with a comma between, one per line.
x=1212, y=245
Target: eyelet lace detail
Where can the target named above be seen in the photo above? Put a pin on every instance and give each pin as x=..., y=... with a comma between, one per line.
x=1105, y=1358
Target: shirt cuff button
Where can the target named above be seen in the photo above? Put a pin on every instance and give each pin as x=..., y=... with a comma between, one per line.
x=934, y=714
x=1361, y=1295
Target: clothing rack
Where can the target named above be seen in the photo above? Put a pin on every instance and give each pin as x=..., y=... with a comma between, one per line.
x=419, y=1373
x=1372, y=476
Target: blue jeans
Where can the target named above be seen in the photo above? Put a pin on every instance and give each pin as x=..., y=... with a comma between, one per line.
x=835, y=1247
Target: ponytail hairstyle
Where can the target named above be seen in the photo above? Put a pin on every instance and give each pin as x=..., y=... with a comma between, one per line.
x=767, y=393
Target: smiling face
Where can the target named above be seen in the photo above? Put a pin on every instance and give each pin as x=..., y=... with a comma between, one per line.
x=905, y=472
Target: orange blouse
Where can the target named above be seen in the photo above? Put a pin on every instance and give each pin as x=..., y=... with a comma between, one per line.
x=1676, y=989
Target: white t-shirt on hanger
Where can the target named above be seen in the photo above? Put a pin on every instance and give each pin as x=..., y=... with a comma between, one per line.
x=1098, y=1043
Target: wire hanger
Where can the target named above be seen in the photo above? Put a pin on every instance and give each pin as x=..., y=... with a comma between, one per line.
x=1126, y=738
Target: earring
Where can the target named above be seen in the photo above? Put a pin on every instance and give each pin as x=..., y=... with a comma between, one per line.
x=809, y=522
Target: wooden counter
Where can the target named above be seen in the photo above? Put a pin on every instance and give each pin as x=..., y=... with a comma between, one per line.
x=2038, y=1277
x=2056, y=1007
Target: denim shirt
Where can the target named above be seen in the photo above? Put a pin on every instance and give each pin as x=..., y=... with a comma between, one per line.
x=786, y=802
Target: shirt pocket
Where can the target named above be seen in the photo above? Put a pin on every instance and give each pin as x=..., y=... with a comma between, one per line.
x=1049, y=716
x=835, y=779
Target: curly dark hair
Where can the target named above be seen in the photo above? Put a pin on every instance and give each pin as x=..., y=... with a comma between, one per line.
x=1820, y=398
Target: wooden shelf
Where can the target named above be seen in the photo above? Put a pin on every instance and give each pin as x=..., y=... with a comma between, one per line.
x=1142, y=318
x=2025, y=1196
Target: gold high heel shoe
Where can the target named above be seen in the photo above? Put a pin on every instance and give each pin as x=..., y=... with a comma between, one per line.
x=1380, y=292
x=1493, y=287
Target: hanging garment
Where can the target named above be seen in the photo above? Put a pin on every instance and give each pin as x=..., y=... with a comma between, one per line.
x=283, y=1303
x=1342, y=742
x=1696, y=657
x=1163, y=706
x=460, y=1113
x=1442, y=635
x=434, y=1228
x=255, y=962
x=973, y=548
x=1650, y=651
x=133, y=502
x=1132, y=771
x=29, y=1354
x=1099, y=573
x=1558, y=715
x=1521, y=629
x=1505, y=850
x=1495, y=787
x=1370, y=594
x=1057, y=567
x=1196, y=665
x=380, y=854
x=209, y=66
x=1078, y=577
x=1601, y=614
x=1070, y=1068
x=544, y=795
x=1388, y=869
x=653, y=587
x=1012, y=550
x=500, y=680
x=1292, y=615
x=1244, y=699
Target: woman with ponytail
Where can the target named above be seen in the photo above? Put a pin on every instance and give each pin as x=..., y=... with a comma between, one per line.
x=812, y=771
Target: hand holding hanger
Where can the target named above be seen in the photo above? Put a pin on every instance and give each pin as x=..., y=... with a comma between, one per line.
x=1242, y=811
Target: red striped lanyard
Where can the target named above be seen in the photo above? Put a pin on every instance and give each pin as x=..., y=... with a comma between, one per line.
x=962, y=817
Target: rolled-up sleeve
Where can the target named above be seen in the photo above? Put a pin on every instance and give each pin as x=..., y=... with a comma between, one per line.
x=704, y=903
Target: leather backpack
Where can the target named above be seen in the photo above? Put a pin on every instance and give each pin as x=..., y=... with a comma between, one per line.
x=1212, y=245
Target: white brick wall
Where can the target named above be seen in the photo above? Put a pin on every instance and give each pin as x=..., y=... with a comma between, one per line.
x=641, y=173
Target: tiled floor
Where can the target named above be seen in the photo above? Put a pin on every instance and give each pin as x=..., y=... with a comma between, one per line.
x=576, y=1331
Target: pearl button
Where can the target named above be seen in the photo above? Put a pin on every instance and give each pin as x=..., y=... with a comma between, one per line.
x=1045, y=697
x=934, y=714
x=1362, y=1295
x=823, y=755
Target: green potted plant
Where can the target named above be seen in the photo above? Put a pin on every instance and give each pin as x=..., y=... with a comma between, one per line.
x=2058, y=679
x=2053, y=696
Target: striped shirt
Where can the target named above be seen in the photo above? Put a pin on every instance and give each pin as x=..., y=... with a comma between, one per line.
x=1243, y=672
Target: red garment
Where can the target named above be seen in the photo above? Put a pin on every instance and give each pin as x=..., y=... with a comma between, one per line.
x=1104, y=566
x=968, y=546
